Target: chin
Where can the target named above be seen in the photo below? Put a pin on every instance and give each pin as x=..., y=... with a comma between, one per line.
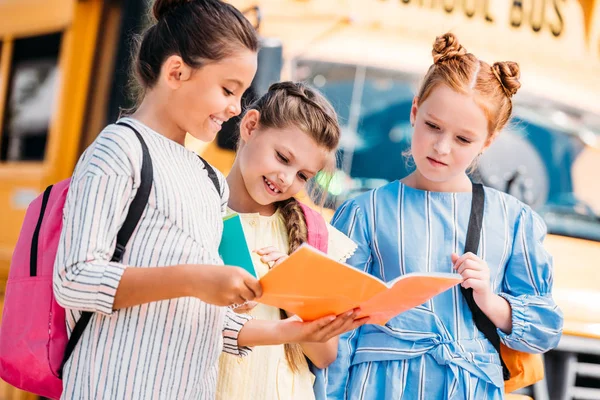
x=262, y=199
x=204, y=135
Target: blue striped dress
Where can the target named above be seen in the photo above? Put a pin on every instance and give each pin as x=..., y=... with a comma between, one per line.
x=435, y=351
x=161, y=350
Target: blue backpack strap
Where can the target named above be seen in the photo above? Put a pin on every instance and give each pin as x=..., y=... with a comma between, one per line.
x=134, y=215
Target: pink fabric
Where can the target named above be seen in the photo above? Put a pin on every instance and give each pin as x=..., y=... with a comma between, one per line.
x=33, y=334
x=318, y=235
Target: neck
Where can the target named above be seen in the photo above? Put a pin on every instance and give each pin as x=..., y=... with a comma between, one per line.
x=459, y=183
x=154, y=113
x=240, y=200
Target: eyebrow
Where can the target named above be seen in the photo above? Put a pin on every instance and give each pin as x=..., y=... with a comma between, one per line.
x=463, y=131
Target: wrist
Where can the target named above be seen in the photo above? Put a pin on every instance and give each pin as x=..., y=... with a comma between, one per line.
x=189, y=281
x=485, y=301
x=286, y=332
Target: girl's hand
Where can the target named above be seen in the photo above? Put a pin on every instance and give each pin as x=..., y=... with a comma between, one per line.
x=223, y=285
x=294, y=330
x=246, y=307
x=271, y=255
x=476, y=275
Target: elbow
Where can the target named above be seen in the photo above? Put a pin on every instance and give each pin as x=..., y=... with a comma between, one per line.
x=70, y=293
x=325, y=361
x=60, y=293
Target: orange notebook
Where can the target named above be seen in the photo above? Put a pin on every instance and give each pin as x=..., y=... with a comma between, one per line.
x=312, y=285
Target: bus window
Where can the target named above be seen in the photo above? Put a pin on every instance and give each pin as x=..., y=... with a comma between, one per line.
x=30, y=98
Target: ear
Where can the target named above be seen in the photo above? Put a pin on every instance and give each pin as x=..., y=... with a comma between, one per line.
x=175, y=71
x=249, y=125
x=413, y=110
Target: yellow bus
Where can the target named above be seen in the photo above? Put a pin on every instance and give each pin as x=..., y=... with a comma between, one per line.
x=367, y=57
x=64, y=70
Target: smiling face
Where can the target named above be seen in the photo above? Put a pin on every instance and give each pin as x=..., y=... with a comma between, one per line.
x=450, y=130
x=276, y=163
x=212, y=95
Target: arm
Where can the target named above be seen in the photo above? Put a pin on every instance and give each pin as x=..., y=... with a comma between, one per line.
x=213, y=284
x=321, y=354
x=100, y=193
x=294, y=330
x=527, y=286
x=99, y=196
x=476, y=275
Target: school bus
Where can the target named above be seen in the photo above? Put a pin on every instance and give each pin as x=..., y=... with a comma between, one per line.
x=367, y=56
x=64, y=70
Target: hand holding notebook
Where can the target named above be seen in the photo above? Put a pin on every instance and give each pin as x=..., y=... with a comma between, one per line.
x=312, y=285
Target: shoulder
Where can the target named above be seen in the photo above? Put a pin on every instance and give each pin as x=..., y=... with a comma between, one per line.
x=223, y=187
x=496, y=198
x=116, y=151
x=516, y=211
x=368, y=201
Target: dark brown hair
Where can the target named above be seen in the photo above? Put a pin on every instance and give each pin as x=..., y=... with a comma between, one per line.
x=200, y=31
x=493, y=86
x=296, y=104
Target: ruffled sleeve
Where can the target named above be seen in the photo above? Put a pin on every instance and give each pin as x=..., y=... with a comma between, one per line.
x=339, y=246
x=536, y=319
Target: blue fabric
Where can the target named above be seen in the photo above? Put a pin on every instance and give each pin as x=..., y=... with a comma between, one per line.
x=435, y=350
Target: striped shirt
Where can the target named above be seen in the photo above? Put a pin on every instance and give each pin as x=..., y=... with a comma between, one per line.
x=161, y=350
x=435, y=350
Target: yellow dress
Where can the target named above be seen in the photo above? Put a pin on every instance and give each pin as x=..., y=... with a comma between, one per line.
x=265, y=374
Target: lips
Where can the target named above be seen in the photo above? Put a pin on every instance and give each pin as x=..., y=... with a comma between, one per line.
x=274, y=190
x=436, y=163
x=218, y=123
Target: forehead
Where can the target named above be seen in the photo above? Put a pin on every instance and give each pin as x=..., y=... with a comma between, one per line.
x=456, y=110
x=307, y=153
x=239, y=67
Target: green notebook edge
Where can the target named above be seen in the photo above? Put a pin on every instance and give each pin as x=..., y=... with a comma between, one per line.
x=234, y=248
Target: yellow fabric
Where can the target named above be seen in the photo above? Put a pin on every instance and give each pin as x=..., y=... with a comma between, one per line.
x=265, y=374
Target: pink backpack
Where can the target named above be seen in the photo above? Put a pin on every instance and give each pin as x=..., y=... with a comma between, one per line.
x=33, y=336
x=318, y=236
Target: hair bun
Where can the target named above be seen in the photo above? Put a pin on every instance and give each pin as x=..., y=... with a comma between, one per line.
x=447, y=47
x=508, y=74
x=162, y=7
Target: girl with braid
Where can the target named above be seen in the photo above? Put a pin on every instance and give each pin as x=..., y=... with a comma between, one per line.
x=286, y=138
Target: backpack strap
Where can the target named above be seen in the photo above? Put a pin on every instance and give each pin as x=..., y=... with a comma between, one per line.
x=212, y=175
x=318, y=235
x=483, y=323
x=33, y=255
x=134, y=215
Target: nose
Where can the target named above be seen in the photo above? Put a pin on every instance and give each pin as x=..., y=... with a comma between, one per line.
x=235, y=108
x=442, y=145
x=285, y=179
